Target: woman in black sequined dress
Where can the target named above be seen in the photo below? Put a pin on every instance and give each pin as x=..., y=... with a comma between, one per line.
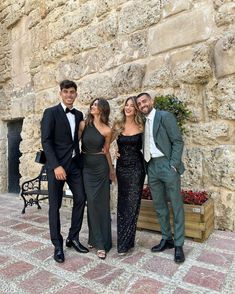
x=130, y=174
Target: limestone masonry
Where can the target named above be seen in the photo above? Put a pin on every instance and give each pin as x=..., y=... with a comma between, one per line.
x=117, y=48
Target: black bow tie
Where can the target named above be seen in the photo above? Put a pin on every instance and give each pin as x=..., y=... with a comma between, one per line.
x=67, y=110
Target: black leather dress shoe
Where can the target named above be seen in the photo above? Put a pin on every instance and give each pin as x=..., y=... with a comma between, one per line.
x=59, y=255
x=179, y=254
x=163, y=245
x=76, y=245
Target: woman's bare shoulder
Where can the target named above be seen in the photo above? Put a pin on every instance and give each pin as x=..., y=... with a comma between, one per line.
x=107, y=130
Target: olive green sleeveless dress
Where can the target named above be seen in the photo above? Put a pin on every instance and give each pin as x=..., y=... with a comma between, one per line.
x=97, y=188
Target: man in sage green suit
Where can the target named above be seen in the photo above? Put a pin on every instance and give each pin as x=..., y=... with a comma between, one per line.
x=163, y=147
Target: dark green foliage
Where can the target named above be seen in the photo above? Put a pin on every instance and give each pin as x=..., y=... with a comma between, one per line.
x=173, y=104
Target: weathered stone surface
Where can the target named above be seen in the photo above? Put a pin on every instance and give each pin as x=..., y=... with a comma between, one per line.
x=46, y=99
x=130, y=21
x=20, y=60
x=43, y=78
x=198, y=70
x=220, y=167
x=3, y=184
x=93, y=34
x=108, y=27
x=55, y=51
x=104, y=6
x=224, y=55
x=158, y=73
x=3, y=103
x=193, y=96
x=84, y=39
x=83, y=15
x=182, y=30
x=29, y=145
x=226, y=14
x=50, y=5
x=210, y=133
x=57, y=29
x=224, y=209
x=221, y=99
x=59, y=26
x=96, y=86
x=38, y=39
x=173, y=7
x=227, y=110
x=34, y=18
x=69, y=70
x=108, y=55
x=31, y=169
x=3, y=150
x=30, y=5
x=122, y=50
x=219, y=3
x=33, y=131
x=16, y=13
x=3, y=131
x=177, y=57
x=116, y=106
x=192, y=177
x=129, y=78
x=23, y=106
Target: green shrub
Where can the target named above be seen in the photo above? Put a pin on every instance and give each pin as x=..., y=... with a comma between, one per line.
x=173, y=104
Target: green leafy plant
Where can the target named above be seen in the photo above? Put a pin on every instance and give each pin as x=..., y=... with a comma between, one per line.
x=173, y=104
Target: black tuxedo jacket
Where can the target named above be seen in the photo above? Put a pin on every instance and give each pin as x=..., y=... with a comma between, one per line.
x=56, y=137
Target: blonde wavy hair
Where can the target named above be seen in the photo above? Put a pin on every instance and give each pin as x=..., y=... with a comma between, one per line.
x=119, y=125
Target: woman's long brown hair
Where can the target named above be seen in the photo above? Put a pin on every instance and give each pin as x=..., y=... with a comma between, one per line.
x=104, y=109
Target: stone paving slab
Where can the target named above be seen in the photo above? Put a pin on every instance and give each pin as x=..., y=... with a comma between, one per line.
x=27, y=265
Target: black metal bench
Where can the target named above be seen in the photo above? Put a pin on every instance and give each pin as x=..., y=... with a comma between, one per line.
x=33, y=191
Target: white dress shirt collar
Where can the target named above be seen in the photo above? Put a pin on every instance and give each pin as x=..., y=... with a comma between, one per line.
x=154, y=151
x=64, y=106
x=151, y=115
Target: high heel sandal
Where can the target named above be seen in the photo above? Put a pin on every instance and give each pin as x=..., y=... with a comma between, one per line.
x=101, y=254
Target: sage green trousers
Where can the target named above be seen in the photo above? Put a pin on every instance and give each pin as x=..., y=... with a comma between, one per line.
x=165, y=185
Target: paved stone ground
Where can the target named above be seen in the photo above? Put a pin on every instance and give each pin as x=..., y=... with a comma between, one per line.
x=27, y=266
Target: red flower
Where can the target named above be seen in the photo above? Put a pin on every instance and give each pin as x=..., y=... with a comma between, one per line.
x=189, y=196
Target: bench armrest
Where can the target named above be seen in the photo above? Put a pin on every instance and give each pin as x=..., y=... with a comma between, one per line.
x=33, y=184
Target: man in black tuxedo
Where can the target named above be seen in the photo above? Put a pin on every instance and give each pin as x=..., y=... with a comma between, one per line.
x=59, y=135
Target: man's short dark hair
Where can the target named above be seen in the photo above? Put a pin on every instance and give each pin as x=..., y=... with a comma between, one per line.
x=66, y=84
x=143, y=94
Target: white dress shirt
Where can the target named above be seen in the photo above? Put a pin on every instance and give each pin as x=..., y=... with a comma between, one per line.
x=154, y=151
x=71, y=119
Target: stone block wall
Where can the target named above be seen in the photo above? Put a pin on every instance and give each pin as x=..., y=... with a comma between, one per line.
x=117, y=48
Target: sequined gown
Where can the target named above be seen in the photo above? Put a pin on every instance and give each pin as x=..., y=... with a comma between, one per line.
x=97, y=188
x=130, y=176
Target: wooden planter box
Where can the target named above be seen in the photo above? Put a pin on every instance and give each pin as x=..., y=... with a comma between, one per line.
x=199, y=219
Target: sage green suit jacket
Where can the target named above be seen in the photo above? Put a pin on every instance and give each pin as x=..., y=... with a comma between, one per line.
x=168, y=138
